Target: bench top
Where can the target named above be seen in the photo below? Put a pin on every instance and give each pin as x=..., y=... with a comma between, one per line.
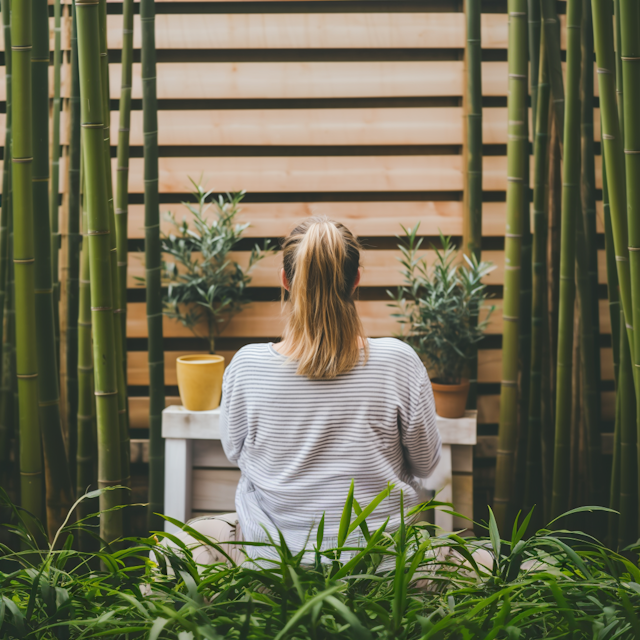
x=179, y=423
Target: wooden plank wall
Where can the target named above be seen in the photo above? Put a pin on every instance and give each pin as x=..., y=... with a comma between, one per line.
x=351, y=109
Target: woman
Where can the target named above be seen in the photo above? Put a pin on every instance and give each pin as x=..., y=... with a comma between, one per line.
x=304, y=417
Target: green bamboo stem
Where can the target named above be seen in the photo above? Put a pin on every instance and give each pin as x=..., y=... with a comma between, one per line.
x=630, y=56
x=54, y=200
x=533, y=493
x=122, y=177
x=85, y=459
x=617, y=47
x=58, y=481
x=551, y=26
x=517, y=149
x=113, y=237
x=613, y=291
x=99, y=231
x=535, y=32
x=628, y=526
x=613, y=151
x=472, y=219
x=73, y=251
x=614, y=488
x=6, y=400
x=153, y=264
x=570, y=207
x=588, y=191
x=31, y=480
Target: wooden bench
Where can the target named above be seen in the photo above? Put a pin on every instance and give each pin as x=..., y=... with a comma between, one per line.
x=199, y=479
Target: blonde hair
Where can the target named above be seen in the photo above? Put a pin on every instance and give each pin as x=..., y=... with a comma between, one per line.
x=323, y=332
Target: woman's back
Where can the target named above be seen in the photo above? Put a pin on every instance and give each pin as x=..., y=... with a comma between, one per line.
x=299, y=441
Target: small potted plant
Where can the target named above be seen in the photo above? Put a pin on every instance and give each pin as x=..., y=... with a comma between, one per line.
x=438, y=309
x=206, y=288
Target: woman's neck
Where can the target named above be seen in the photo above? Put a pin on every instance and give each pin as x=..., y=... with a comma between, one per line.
x=286, y=348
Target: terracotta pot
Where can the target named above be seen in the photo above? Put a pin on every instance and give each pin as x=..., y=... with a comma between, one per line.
x=451, y=399
x=200, y=381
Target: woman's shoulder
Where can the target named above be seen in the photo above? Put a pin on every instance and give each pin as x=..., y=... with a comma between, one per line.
x=395, y=350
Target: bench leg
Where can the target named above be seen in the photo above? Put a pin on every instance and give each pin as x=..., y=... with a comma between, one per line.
x=440, y=481
x=177, y=481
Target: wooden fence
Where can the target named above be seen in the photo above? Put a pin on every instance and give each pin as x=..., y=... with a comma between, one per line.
x=350, y=108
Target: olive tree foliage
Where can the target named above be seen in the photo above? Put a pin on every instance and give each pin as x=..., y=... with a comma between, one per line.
x=206, y=287
x=438, y=307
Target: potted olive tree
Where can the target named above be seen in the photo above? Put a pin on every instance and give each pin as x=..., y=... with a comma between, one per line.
x=438, y=309
x=206, y=287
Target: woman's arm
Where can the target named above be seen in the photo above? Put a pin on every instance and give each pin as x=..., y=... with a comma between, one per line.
x=418, y=431
x=233, y=426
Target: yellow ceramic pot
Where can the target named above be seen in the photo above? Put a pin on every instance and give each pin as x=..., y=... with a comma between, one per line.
x=200, y=381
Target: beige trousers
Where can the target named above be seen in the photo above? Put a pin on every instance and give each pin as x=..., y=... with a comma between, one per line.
x=224, y=529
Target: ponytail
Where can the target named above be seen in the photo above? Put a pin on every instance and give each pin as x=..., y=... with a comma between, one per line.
x=324, y=333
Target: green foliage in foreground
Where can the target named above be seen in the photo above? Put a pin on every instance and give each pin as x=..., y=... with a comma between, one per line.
x=556, y=584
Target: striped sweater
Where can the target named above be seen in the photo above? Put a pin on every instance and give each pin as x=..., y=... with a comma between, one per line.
x=300, y=442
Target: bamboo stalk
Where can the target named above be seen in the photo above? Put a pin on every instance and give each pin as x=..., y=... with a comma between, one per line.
x=613, y=150
x=113, y=237
x=85, y=460
x=472, y=219
x=517, y=149
x=617, y=48
x=613, y=291
x=73, y=251
x=628, y=526
x=614, y=489
x=589, y=174
x=98, y=230
x=6, y=400
x=570, y=205
x=630, y=56
x=31, y=480
x=54, y=200
x=551, y=26
x=535, y=34
x=58, y=481
x=153, y=264
x=122, y=178
x=533, y=494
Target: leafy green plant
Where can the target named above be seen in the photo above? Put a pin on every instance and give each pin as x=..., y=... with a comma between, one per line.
x=555, y=584
x=206, y=286
x=438, y=307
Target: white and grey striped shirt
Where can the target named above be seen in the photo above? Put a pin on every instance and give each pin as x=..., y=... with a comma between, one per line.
x=300, y=442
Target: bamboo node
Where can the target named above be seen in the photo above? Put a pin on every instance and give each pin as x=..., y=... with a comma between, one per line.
x=100, y=308
x=30, y=473
x=601, y=70
x=629, y=326
x=519, y=76
x=120, y=211
x=513, y=179
x=511, y=318
x=27, y=376
x=105, y=393
x=629, y=58
x=508, y=383
x=109, y=483
x=92, y=125
x=152, y=226
x=49, y=403
x=22, y=160
x=622, y=259
x=631, y=152
x=122, y=264
x=83, y=368
x=23, y=47
x=154, y=315
x=24, y=261
x=512, y=268
x=633, y=248
x=608, y=136
x=513, y=235
x=98, y=233
x=118, y=311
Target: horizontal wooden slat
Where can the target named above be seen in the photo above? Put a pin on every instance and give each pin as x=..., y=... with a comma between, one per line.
x=489, y=365
x=489, y=407
x=264, y=319
x=139, y=410
x=312, y=31
x=214, y=489
x=323, y=174
x=363, y=218
x=410, y=126
x=209, y=453
x=381, y=268
x=199, y=80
